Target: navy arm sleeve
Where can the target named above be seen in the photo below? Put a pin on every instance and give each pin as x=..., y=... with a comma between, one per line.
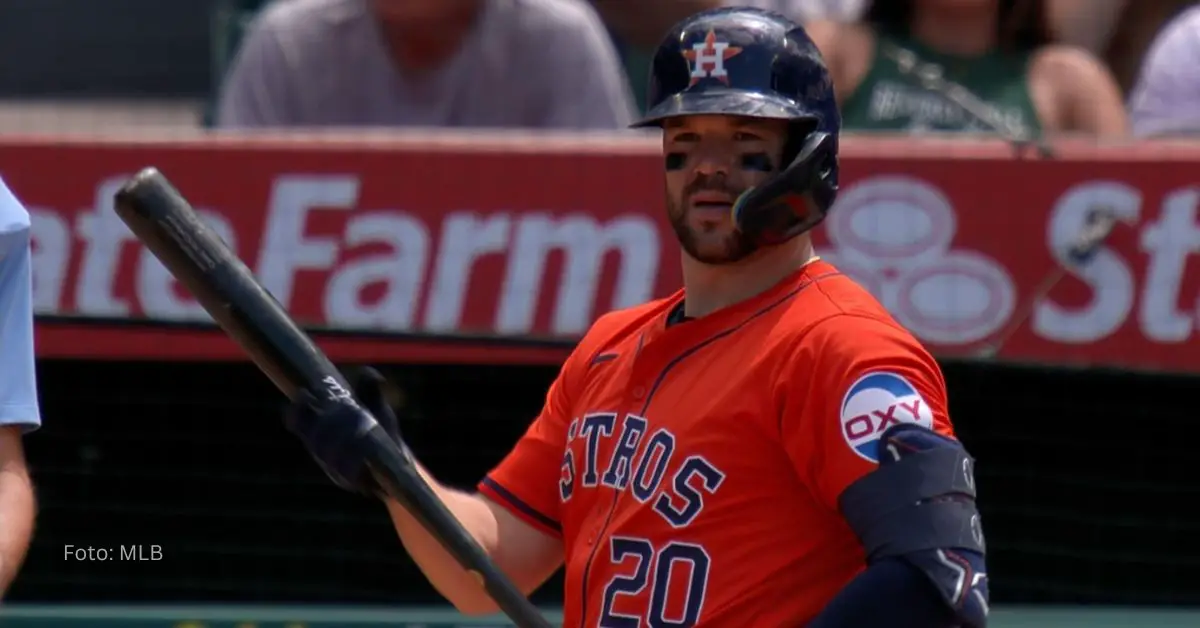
x=891, y=593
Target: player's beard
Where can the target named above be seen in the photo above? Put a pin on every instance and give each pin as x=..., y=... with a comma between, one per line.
x=735, y=247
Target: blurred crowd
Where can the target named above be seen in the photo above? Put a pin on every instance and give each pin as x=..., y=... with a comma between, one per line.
x=1019, y=68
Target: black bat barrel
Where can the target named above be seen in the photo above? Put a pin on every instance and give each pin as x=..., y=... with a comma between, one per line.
x=166, y=223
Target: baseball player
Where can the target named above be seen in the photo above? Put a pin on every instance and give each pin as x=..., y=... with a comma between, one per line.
x=19, y=411
x=766, y=447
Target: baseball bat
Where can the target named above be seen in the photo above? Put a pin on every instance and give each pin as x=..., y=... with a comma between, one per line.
x=170, y=228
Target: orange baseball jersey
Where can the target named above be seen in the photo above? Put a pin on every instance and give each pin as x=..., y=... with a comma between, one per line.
x=693, y=470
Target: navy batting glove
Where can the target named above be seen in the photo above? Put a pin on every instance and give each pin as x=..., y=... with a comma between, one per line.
x=368, y=387
x=335, y=431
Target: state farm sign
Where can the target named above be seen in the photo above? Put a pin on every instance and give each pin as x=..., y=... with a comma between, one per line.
x=968, y=253
x=898, y=236
x=1154, y=282
x=323, y=256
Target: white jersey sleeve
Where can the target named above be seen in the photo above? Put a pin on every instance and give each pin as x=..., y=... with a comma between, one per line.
x=18, y=379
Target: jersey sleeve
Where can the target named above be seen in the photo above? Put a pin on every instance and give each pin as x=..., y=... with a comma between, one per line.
x=18, y=381
x=526, y=480
x=850, y=379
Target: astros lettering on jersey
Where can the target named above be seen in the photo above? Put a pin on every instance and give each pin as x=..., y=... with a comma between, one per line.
x=693, y=471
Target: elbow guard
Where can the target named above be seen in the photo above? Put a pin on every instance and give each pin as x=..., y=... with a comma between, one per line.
x=919, y=505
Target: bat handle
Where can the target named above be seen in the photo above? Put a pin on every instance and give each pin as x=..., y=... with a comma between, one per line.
x=391, y=467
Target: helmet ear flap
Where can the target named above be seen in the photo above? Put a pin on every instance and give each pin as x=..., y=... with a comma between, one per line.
x=795, y=200
x=799, y=131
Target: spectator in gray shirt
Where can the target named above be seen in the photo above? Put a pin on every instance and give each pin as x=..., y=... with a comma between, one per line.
x=426, y=63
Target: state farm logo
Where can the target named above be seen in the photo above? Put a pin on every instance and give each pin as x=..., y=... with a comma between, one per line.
x=893, y=235
x=328, y=256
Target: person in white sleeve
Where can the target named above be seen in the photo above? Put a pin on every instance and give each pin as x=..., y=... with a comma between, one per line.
x=19, y=409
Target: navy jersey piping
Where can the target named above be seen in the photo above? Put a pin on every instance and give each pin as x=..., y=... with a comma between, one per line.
x=587, y=568
x=522, y=505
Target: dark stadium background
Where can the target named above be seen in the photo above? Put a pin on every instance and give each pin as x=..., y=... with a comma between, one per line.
x=1086, y=477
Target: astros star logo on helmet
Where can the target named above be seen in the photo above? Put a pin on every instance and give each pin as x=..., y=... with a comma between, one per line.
x=708, y=58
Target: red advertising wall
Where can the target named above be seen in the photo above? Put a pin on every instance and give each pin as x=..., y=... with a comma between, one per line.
x=398, y=243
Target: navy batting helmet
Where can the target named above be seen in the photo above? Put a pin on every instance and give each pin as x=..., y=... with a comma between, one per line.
x=755, y=63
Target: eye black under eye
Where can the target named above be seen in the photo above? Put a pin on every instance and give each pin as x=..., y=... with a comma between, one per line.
x=675, y=161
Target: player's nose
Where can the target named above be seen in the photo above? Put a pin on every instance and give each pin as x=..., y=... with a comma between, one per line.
x=712, y=162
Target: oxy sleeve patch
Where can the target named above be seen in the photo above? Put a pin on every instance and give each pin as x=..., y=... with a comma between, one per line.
x=875, y=402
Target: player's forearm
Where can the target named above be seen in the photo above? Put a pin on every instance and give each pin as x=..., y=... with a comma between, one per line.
x=18, y=508
x=443, y=571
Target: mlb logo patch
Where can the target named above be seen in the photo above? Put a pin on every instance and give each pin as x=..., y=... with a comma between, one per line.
x=876, y=402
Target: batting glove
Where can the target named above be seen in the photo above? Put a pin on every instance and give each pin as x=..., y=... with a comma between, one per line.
x=335, y=432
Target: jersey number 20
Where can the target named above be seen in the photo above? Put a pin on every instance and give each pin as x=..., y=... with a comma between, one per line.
x=656, y=569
